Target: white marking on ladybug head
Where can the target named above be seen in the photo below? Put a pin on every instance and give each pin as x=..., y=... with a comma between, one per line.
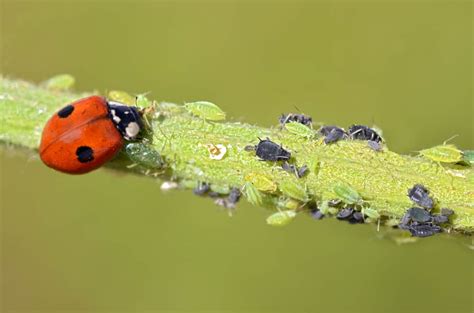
x=115, y=117
x=132, y=130
x=116, y=103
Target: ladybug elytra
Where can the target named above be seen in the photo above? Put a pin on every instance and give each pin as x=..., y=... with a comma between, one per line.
x=85, y=134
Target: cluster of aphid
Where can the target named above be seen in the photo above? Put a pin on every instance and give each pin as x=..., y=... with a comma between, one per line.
x=419, y=220
x=117, y=122
x=228, y=201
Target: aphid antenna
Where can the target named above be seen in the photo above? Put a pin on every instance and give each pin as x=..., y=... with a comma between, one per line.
x=450, y=138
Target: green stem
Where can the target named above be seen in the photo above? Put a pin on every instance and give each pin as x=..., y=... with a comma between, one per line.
x=381, y=178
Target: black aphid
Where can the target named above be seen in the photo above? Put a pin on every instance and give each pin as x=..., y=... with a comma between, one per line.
x=332, y=134
x=357, y=217
x=375, y=145
x=424, y=230
x=293, y=169
x=419, y=215
x=267, y=150
x=201, y=189
x=420, y=195
x=345, y=213
x=293, y=117
x=302, y=171
x=362, y=132
x=234, y=195
x=446, y=212
x=290, y=168
x=440, y=219
x=317, y=214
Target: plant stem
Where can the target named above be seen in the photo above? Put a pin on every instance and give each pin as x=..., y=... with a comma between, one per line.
x=381, y=178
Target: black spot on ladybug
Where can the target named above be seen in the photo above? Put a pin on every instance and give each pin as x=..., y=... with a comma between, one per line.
x=66, y=111
x=267, y=150
x=85, y=154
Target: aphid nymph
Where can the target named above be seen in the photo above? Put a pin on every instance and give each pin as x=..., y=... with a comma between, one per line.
x=332, y=134
x=362, y=132
x=293, y=117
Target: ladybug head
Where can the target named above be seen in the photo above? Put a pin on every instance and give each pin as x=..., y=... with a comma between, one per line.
x=127, y=119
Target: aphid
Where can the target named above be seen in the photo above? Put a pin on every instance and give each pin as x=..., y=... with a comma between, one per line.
x=371, y=213
x=468, y=156
x=357, y=217
x=419, y=215
x=168, y=185
x=205, y=110
x=201, y=189
x=267, y=150
x=440, y=219
x=375, y=145
x=144, y=155
x=281, y=218
x=347, y=194
x=446, y=153
x=231, y=200
x=294, y=190
x=424, y=230
x=121, y=96
x=317, y=214
x=87, y=133
x=298, y=118
x=362, y=132
x=299, y=129
x=345, y=213
x=323, y=207
x=446, y=212
x=302, y=171
x=293, y=169
x=261, y=182
x=332, y=134
x=141, y=100
x=234, y=195
x=60, y=82
x=216, y=152
x=420, y=195
x=288, y=203
x=252, y=194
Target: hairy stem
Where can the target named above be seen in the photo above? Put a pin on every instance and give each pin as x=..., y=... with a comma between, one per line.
x=186, y=143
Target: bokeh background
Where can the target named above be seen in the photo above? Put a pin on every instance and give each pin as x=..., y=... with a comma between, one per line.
x=105, y=242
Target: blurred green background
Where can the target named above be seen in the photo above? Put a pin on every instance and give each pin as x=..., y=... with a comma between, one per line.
x=105, y=242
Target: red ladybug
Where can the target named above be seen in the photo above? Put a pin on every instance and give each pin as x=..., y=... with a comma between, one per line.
x=85, y=134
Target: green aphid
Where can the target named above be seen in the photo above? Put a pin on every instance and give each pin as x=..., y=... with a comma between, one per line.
x=261, y=182
x=371, y=213
x=121, y=96
x=468, y=156
x=347, y=194
x=281, y=218
x=60, y=82
x=142, y=101
x=252, y=194
x=299, y=129
x=446, y=153
x=324, y=207
x=206, y=110
x=221, y=189
x=288, y=204
x=144, y=155
x=294, y=190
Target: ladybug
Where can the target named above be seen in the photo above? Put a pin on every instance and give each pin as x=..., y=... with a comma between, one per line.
x=85, y=134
